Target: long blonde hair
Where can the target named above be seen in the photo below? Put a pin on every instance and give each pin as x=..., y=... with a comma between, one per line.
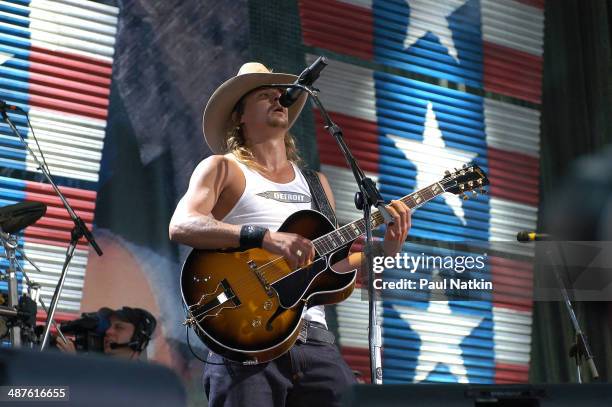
x=236, y=142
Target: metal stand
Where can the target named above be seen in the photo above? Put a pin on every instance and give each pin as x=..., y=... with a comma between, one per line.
x=367, y=196
x=10, y=245
x=75, y=236
x=580, y=349
x=79, y=230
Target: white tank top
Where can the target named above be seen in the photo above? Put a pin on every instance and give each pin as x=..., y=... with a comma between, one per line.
x=266, y=203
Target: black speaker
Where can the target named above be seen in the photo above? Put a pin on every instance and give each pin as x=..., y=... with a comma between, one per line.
x=464, y=395
x=92, y=380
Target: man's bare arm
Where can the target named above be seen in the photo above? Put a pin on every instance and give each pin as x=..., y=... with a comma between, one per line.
x=192, y=223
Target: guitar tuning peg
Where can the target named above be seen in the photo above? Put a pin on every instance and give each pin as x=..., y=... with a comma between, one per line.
x=447, y=173
x=464, y=166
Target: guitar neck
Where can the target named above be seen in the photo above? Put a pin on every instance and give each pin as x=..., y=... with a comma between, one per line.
x=348, y=233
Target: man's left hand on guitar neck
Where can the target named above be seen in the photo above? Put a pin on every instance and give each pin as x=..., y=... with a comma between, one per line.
x=396, y=234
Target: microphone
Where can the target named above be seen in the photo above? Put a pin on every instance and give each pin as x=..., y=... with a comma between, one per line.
x=115, y=345
x=306, y=78
x=531, y=236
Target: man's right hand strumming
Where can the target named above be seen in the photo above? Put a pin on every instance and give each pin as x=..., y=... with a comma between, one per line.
x=297, y=250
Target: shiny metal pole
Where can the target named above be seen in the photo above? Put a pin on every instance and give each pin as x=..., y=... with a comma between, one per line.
x=10, y=245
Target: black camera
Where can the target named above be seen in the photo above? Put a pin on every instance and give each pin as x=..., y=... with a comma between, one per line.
x=88, y=331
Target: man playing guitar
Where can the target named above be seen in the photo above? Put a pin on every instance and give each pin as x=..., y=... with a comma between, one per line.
x=237, y=199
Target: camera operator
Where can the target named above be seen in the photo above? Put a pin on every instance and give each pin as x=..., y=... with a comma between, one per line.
x=127, y=332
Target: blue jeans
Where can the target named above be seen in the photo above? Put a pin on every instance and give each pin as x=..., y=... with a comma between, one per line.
x=310, y=374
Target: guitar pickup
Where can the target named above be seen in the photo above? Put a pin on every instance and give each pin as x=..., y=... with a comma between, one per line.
x=260, y=277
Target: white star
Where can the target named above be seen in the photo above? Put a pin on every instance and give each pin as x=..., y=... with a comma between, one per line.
x=427, y=16
x=441, y=332
x=4, y=57
x=432, y=158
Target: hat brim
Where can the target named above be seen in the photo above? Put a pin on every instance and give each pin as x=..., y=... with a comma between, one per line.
x=218, y=111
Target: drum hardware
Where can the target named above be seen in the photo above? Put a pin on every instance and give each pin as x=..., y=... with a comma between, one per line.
x=14, y=218
x=34, y=291
x=80, y=229
x=19, y=216
x=18, y=316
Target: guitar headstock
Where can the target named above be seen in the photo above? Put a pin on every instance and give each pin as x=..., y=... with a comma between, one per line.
x=468, y=178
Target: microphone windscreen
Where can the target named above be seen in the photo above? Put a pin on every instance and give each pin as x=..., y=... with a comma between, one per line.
x=523, y=236
x=289, y=97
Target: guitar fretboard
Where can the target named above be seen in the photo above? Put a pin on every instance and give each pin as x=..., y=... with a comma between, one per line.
x=348, y=233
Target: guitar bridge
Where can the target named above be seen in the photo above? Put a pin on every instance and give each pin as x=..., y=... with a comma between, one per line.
x=261, y=278
x=226, y=295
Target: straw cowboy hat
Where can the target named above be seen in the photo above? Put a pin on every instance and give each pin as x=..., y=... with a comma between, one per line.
x=218, y=110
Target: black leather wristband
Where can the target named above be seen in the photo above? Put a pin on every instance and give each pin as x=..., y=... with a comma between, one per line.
x=251, y=236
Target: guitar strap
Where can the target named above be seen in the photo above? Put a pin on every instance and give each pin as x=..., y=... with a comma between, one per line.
x=320, y=199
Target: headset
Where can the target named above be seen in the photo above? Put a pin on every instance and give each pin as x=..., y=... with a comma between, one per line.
x=142, y=332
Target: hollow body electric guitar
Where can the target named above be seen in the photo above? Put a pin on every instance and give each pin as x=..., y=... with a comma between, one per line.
x=247, y=305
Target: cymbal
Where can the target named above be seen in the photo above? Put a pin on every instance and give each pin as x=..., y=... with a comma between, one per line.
x=14, y=218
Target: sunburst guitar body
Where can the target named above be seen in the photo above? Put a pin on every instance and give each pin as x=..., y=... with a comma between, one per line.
x=247, y=305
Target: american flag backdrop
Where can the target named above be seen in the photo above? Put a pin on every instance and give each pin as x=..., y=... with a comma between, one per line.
x=420, y=87
x=55, y=63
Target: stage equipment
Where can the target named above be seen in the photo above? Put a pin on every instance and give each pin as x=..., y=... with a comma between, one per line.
x=532, y=236
x=80, y=228
x=14, y=218
x=88, y=331
x=20, y=312
x=306, y=78
x=580, y=349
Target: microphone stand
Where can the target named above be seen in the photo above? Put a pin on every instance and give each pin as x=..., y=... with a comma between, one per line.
x=367, y=196
x=78, y=231
x=580, y=349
